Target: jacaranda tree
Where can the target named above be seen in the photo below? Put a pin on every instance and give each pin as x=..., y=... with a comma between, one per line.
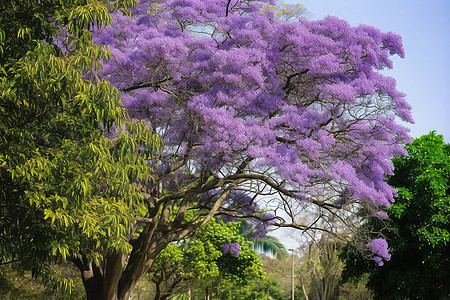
x=244, y=102
x=295, y=111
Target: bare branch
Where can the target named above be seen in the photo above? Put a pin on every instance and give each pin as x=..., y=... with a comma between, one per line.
x=153, y=84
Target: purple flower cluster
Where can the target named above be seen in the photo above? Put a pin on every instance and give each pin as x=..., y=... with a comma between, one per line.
x=304, y=105
x=380, y=214
x=234, y=248
x=379, y=248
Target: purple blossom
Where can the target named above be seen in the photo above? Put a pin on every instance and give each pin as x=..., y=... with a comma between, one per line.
x=379, y=248
x=234, y=248
x=303, y=105
x=380, y=214
x=269, y=219
x=339, y=202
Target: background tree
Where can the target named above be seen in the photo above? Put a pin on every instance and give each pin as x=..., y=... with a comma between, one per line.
x=303, y=118
x=216, y=253
x=420, y=256
x=257, y=289
x=321, y=269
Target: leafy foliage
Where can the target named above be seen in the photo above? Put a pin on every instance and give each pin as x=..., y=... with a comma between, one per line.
x=65, y=187
x=420, y=257
x=201, y=261
x=15, y=283
x=259, y=290
x=270, y=244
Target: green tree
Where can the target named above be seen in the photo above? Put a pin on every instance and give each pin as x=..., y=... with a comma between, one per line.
x=202, y=261
x=67, y=192
x=420, y=262
x=321, y=269
x=259, y=289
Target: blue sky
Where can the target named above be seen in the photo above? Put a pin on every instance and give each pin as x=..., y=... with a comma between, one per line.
x=424, y=74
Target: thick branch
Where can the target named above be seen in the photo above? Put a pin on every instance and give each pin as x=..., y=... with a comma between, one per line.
x=176, y=165
x=270, y=182
x=153, y=84
x=192, y=226
x=289, y=78
x=113, y=271
x=136, y=264
x=286, y=141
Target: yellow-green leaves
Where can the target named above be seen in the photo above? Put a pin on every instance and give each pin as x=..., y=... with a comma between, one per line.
x=2, y=41
x=201, y=257
x=65, y=187
x=92, y=14
x=23, y=33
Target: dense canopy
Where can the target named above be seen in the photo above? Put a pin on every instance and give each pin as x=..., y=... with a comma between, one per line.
x=419, y=262
x=240, y=97
x=244, y=103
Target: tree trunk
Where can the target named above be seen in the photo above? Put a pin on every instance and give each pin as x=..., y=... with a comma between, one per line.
x=111, y=281
x=92, y=285
x=97, y=290
x=113, y=272
x=207, y=294
x=92, y=277
x=303, y=285
x=157, y=292
x=103, y=283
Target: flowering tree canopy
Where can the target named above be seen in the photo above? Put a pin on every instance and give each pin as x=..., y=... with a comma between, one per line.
x=296, y=111
x=239, y=97
x=245, y=103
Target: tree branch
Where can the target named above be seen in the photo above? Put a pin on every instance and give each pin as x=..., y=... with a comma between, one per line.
x=227, y=9
x=289, y=78
x=153, y=84
x=9, y=262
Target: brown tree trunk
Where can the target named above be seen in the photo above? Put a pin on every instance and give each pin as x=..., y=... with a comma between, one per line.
x=111, y=281
x=207, y=294
x=97, y=289
x=102, y=283
x=113, y=272
x=91, y=276
x=158, y=292
x=92, y=285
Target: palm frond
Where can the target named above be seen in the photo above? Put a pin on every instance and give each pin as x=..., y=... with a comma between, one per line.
x=270, y=244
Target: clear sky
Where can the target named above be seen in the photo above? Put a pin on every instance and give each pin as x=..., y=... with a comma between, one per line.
x=424, y=74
